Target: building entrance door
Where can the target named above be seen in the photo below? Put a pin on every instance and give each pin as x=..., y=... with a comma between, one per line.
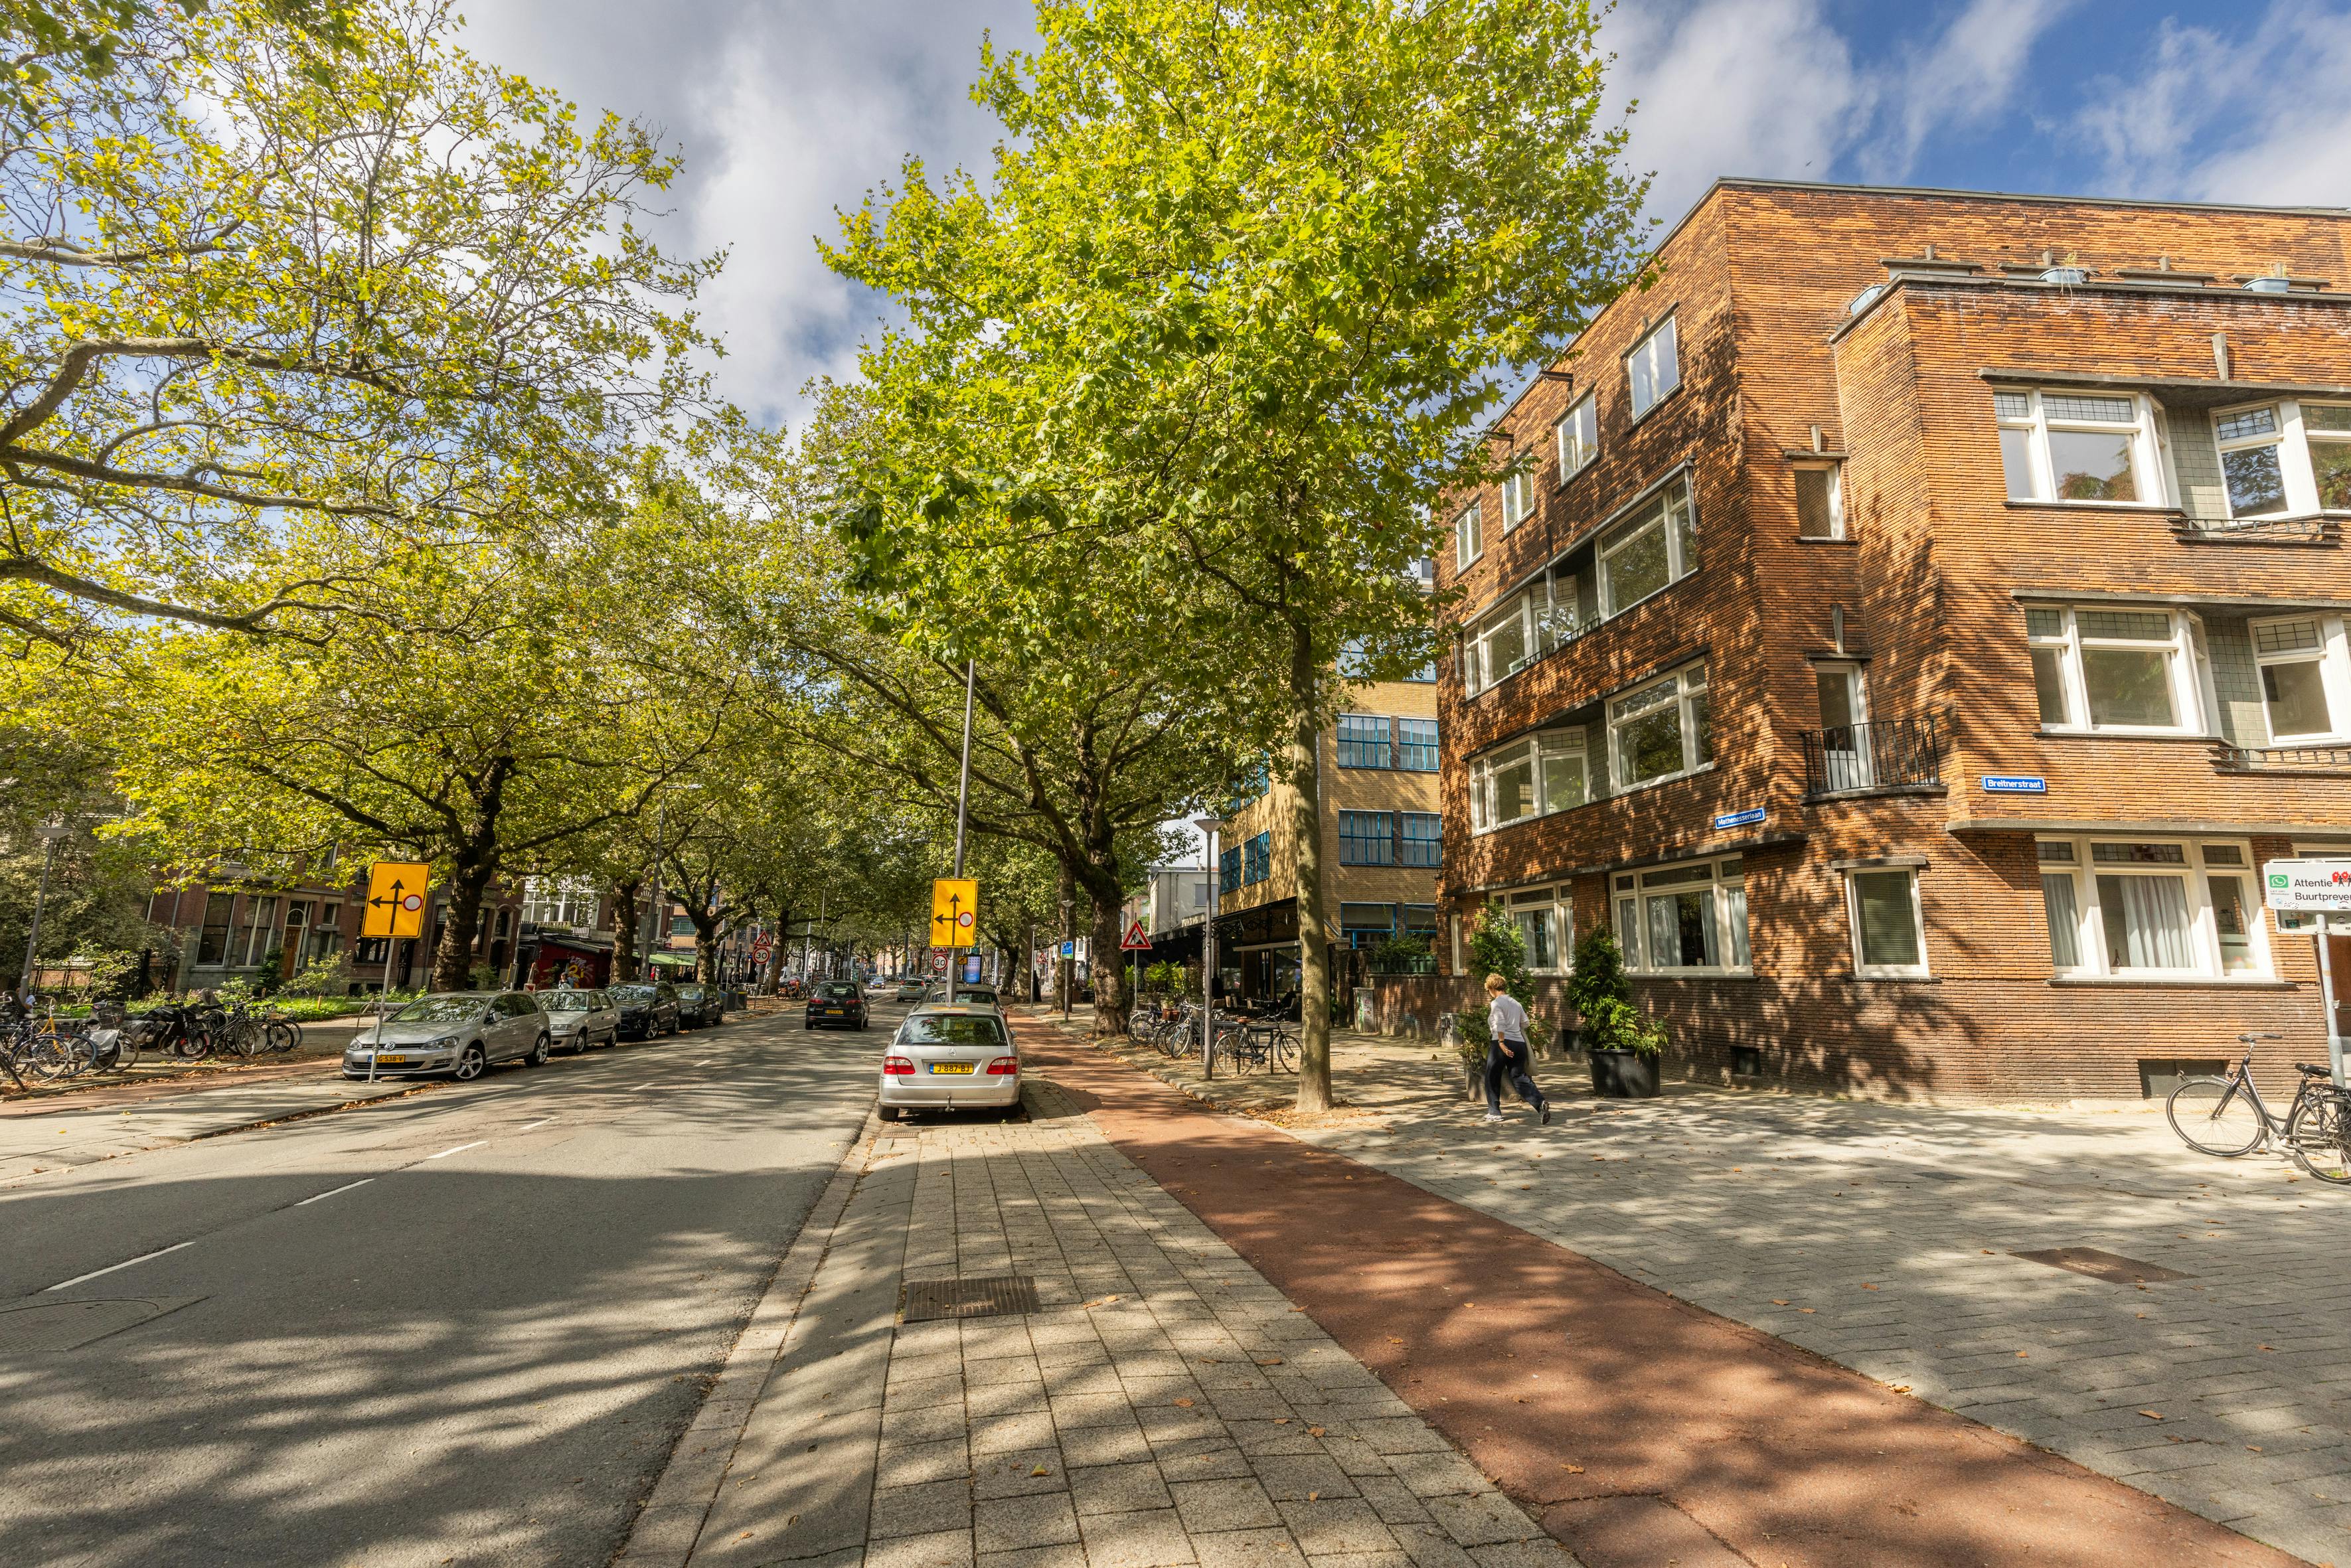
x=1845, y=727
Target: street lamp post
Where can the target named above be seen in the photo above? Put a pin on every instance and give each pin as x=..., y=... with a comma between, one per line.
x=49, y=833
x=1068, y=963
x=1209, y=827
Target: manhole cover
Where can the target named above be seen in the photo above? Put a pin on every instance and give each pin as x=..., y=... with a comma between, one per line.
x=1002, y=1295
x=62, y=1325
x=2111, y=1267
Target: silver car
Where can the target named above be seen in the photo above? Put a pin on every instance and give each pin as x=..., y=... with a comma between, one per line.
x=456, y=1032
x=949, y=1058
x=577, y=1019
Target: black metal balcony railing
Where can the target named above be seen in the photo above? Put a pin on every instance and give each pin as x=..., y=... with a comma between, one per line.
x=2313, y=529
x=2227, y=758
x=1889, y=754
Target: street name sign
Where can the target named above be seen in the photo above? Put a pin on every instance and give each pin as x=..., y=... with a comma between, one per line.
x=395, y=899
x=1746, y=819
x=1134, y=941
x=2321, y=885
x=2014, y=784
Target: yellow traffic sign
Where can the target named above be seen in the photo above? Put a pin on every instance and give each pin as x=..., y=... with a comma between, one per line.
x=395, y=900
x=954, y=912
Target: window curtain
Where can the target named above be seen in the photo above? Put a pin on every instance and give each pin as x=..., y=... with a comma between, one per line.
x=2146, y=922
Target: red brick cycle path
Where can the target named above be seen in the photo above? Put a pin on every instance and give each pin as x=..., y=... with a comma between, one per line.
x=1639, y=1429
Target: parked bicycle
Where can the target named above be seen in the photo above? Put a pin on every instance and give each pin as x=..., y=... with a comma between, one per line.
x=2226, y=1116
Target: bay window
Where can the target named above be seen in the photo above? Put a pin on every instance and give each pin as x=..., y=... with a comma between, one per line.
x=1542, y=774
x=1662, y=730
x=2127, y=670
x=1684, y=918
x=2078, y=446
x=1654, y=547
x=2126, y=909
x=2288, y=459
x=2305, y=673
x=1579, y=438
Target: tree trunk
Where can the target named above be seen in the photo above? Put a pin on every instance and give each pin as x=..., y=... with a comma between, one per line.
x=1110, y=1001
x=461, y=915
x=775, y=951
x=1304, y=754
x=624, y=929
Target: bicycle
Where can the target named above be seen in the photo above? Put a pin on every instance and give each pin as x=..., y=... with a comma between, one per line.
x=1271, y=1046
x=2226, y=1116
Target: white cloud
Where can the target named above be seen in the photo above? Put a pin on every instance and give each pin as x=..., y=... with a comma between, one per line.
x=2262, y=119
x=1967, y=76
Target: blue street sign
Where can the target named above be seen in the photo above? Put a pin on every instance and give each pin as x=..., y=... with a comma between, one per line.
x=1069, y=949
x=1749, y=818
x=2014, y=784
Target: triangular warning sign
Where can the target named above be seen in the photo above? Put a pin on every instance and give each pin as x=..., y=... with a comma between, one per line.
x=1134, y=939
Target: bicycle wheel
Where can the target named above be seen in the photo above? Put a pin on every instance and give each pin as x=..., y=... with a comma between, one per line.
x=241, y=1037
x=1285, y=1051
x=284, y=1035
x=52, y=1055
x=2319, y=1134
x=2214, y=1117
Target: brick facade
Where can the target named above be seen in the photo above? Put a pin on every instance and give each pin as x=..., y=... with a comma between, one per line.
x=1782, y=365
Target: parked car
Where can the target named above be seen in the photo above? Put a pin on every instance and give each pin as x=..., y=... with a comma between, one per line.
x=835, y=1004
x=976, y=995
x=700, y=1006
x=460, y=1033
x=578, y=1019
x=950, y=1059
x=648, y=1008
x=908, y=991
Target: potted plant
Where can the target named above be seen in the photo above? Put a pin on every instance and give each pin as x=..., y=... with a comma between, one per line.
x=1622, y=1043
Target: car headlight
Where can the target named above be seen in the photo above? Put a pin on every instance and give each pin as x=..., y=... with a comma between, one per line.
x=446, y=1042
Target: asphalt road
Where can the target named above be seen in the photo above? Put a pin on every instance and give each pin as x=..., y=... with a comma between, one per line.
x=462, y=1327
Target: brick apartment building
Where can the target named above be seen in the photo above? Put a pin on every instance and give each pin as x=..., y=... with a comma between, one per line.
x=1917, y=617
x=1382, y=840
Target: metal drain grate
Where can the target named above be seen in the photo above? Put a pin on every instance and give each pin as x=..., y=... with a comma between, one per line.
x=1003, y=1295
x=2111, y=1267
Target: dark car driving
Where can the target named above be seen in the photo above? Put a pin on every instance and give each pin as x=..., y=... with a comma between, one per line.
x=836, y=1004
x=700, y=1006
x=646, y=1011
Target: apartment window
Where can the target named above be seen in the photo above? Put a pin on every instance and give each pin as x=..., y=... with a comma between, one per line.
x=1518, y=495
x=1416, y=744
x=1844, y=726
x=1545, y=924
x=1579, y=438
x=1228, y=869
x=1420, y=920
x=1662, y=730
x=1685, y=917
x=2250, y=461
x=260, y=930
x=1499, y=646
x=1888, y=927
x=212, y=941
x=2326, y=427
x=1653, y=367
x=1256, y=861
x=1469, y=537
x=1367, y=838
x=2305, y=676
x=2123, y=670
x=2066, y=446
x=558, y=901
x=1366, y=924
x=326, y=934
x=2126, y=909
x=1425, y=675
x=1544, y=773
x=1820, y=502
x=1363, y=740
x=1424, y=838
x=1655, y=546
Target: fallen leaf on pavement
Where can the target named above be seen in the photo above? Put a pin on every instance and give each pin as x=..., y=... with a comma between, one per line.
x=1184, y=1403
x=2152, y=1415
x=1869, y=1286
x=1270, y=1361
x=1314, y=1431
x=2025, y=1356
x=1803, y=1308
x=1573, y=1470
x=1314, y=1497
x=1282, y=1420
x=1777, y=1302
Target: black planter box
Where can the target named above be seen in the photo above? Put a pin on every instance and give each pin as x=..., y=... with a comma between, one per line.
x=1623, y=1075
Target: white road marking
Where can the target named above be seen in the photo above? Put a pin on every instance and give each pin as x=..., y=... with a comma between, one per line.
x=542, y=1122
x=111, y=1268
x=345, y=1188
x=460, y=1149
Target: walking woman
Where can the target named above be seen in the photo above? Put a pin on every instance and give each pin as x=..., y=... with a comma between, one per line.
x=1506, y=1023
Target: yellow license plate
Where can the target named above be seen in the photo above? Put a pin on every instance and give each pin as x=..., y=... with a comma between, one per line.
x=951, y=1067
x=390, y=1061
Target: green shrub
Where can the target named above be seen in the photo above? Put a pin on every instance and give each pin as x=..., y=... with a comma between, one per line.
x=1604, y=999
x=319, y=977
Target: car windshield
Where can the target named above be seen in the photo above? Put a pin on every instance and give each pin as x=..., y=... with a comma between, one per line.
x=633, y=993
x=455, y=1008
x=953, y=1029
x=564, y=1001
x=838, y=991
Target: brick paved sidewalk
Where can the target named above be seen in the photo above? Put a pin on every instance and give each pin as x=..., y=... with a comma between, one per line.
x=1165, y=1406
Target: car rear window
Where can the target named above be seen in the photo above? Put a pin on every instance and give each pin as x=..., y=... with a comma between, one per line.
x=840, y=991
x=953, y=1029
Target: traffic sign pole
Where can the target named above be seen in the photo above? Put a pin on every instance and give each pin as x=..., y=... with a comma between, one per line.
x=2327, y=1000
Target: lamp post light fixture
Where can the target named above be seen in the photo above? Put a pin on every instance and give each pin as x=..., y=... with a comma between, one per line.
x=1209, y=827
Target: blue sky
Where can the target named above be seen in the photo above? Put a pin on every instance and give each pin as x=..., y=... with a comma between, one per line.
x=786, y=108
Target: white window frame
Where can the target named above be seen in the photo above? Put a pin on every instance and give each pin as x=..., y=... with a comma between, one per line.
x=1555, y=907
x=2148, y=475
x=2313, y=436
x=1918, y=971
x=1478, y=667
x=2333, y=657
x=1659, y=353
x=1469, y=537
x=2194, y=870
x=1689, y=686
x=2187, y=693
x=2297, y=467
x=1629, y=896
x=1537, y=750
x=1836, y=470
x=1518, y=495
x=1849, y=767
x=1577, y=434
x=1681, y=537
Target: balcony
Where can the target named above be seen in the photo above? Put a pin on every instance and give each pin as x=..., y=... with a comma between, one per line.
x=2312, y=528
x=2331, y=759
x=1889, y=756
